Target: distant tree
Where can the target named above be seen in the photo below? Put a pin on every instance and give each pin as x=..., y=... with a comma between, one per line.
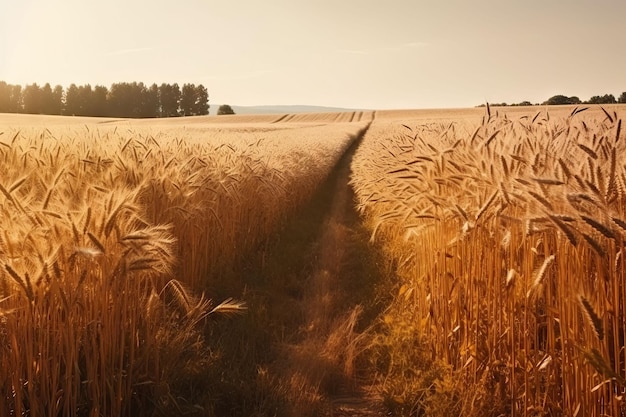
x=17, y=99
x=561, y=99
x=127, y=99
x=605, y=99
x=138, y=93
x=188, y=100
x=225, y=109
x=169, y=95
x=32, y=99
x=58, y=97
x=72, y=101
x=119, y=100
x=194, y=100
x=622, y=98
x=525, y=103
x=51, y=100
x=201, y=106
x=85, y=101
x=99, y=101
x=5, y=97
x=150, y=106
x=47, y=100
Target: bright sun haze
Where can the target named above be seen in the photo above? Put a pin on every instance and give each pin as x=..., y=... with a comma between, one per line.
x=358, y=54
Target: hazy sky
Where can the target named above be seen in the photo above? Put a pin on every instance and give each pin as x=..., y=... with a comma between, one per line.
x=376, y=54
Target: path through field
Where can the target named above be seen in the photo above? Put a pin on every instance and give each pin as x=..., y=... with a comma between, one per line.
x=318, y=360
x=332, y=303
x=310, y=296
x=341, y=250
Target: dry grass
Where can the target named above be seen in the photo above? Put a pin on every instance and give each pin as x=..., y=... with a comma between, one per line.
x=508, y=236
x=108, y=236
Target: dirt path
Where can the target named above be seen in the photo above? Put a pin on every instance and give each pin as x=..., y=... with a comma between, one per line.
x=340, y=280
x=311, y=293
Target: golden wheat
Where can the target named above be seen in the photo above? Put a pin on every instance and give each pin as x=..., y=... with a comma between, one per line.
x=106, y=235
x=515, y=207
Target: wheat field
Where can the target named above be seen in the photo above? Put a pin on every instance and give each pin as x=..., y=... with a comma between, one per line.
x=508, y=236
x=113, y=235
x=503, y=230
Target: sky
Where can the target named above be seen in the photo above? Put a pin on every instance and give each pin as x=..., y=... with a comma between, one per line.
x=365, y=54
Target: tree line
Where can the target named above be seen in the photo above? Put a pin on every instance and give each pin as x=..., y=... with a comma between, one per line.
x=135, y=100
x=562, y=99
x=605, y=99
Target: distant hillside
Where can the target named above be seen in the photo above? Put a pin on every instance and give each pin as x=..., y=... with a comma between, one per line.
x=278, y=109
